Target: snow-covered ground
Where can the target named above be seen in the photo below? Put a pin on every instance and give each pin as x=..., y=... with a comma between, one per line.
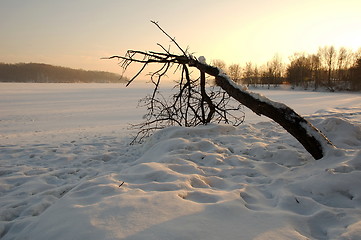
x=67, y=171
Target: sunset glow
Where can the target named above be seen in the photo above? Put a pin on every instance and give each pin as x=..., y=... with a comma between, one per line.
x=78, y=33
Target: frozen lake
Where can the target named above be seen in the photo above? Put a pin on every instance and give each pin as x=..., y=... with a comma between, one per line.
x=34, y=111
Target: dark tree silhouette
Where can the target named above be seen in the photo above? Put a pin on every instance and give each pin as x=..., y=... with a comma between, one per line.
x=193, y=103
x=191, y=106
x=39, y=72
x=356, y=75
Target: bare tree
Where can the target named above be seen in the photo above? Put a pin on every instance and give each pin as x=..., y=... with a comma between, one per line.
x=276, y=69
x=193, y=102
x=328, y=55
x=235, y=72
x=256, y=76
x=219, y=64
x=312, y=139
x=248, y=74
x=300, y=70
x=341, y=63
x=316, y=69
x=355, y=73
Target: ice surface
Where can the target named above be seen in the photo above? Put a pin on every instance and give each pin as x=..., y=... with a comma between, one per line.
x=67, y=171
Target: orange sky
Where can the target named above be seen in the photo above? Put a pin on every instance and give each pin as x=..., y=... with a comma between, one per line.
x=78, y=33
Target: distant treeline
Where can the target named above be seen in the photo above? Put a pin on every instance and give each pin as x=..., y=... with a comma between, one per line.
x=44, y=73
x=331, y=68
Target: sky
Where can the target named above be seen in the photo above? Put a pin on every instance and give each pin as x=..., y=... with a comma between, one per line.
x=78, y=33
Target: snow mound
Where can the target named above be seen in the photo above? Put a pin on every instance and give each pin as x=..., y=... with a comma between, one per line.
x=345, y=133
x=209, y=182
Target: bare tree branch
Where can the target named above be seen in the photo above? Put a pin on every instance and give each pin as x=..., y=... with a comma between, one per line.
x=172, y=39
x=195, y=104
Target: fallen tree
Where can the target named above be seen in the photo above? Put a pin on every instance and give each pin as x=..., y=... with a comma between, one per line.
x=202, y=109
x=313, y=140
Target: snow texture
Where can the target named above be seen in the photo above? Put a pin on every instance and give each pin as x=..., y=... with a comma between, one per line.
x=202, y=59
x=67, y=171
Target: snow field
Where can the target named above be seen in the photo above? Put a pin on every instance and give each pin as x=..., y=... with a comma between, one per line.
x=71, y=181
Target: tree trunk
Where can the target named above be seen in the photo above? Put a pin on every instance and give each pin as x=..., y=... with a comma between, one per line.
x=309, y=136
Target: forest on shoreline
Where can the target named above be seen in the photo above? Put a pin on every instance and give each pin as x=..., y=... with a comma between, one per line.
x=330, y=68
x=45, y=73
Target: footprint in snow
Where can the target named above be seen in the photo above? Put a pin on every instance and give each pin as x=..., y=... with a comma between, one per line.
x=257, y=200
x=200, y=197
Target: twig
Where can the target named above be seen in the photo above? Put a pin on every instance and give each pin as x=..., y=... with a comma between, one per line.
x=172, y=39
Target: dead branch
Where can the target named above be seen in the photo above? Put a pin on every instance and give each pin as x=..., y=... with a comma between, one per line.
x=196, y=104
